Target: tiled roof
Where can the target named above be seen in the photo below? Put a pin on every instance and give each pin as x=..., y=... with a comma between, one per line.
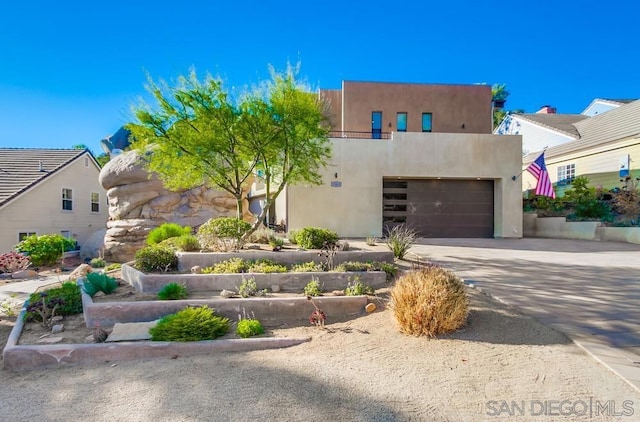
x=559, y=122
x=22, y=168
x=618, y=100
x=620, y=123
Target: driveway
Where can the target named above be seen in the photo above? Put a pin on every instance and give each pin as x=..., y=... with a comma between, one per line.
x=586, y=289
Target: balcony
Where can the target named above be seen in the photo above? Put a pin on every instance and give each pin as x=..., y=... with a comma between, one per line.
x=359, y=135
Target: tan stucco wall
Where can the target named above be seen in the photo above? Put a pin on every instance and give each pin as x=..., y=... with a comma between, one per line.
x=451, y=106
x=355, y=209
x=40, y=208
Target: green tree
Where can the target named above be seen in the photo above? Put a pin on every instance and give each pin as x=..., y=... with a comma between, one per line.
x=200, y=134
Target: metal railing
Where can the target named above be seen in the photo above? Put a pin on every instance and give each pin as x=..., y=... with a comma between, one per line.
x=359, y=135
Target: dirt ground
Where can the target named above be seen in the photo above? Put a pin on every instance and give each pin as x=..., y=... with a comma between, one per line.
x=501, y=366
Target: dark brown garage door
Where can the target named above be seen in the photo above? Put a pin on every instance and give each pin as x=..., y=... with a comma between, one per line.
x=440, y=208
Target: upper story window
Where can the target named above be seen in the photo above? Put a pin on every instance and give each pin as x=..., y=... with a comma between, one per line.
x=401, y=122
x=376, y=124
x=67, y=199
x=426, y=122
x=95, y=202
x=566, y=174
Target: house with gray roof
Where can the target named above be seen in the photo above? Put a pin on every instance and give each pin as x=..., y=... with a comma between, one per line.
x=44, y=191
x=605, y=148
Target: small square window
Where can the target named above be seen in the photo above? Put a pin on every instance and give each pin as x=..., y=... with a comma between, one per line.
x=67, y=199
x=95, y=202
x=426, y=122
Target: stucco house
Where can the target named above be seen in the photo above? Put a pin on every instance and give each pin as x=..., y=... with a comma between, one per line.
x=605, y=148
x=419, y=154
x=46, y=191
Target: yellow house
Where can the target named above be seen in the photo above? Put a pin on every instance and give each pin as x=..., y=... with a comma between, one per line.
x=607, y=149
x=44, y=191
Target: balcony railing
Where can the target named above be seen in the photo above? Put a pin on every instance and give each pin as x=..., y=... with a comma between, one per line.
x=359, y=135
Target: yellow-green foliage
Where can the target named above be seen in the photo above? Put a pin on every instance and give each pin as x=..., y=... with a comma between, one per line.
x=190, y=324
x=166, y=231
x=249, y=327
x=307, y=267
x=429, y=301
x=232, y=265
x=266, y=266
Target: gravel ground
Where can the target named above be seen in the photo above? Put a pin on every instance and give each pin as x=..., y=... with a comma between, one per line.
x=362, y=370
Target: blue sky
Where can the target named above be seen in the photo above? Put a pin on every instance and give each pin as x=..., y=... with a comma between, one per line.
x=71, y=70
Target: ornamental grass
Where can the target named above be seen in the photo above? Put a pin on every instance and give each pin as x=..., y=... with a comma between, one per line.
x=429, y=301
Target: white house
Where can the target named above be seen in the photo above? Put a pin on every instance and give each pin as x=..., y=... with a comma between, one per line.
x=44, y=191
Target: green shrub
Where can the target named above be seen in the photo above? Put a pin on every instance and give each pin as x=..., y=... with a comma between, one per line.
x=249, y=327
x=390, y=269
x=113, y=267
x=307, y=267
x=354, y=266
x=173, y=291
x=97, y=282
x=98, y=263
x=266, y=266
x=315, y=238
x=156, y=258
x=313, y=288
x=357, y=288
x=248, y=287
x=68, y=293
x=166, y=231
x=371, y=240
x=190, y=324
x=46, y=249
x=184, y=243
x=429, y=301
x=399, y=240
x=229, y=266
x=223, y=233
x=291, y=236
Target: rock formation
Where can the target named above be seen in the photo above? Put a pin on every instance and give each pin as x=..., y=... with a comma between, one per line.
x=138, y=202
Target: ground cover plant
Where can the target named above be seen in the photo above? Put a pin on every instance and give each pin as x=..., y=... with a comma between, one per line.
x=429, y=301
x=14, y=261
x=190, y=324
x=173, y=291
x=68, y=293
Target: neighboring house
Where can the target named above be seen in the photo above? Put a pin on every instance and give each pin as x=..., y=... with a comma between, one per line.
x=606, y=149
x=417, y=154
x=602, y=105
x=542, y=129
x=45, y=191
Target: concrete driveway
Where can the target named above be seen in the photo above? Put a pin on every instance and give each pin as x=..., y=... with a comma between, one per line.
x=588, y=290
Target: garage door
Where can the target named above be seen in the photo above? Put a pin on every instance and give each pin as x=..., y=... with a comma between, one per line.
x=440, y=208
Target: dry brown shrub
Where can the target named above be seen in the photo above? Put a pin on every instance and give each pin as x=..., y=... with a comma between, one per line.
x=429, y=301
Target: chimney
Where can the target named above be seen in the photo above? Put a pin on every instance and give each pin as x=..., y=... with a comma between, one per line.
x=546, y=109
x=40, y=166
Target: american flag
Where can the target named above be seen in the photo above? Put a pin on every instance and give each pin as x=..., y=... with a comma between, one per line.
x=539, y=171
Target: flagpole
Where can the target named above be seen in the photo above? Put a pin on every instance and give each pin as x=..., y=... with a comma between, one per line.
x=522, y=171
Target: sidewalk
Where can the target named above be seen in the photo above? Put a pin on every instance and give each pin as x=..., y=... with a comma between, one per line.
x=588, y=290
